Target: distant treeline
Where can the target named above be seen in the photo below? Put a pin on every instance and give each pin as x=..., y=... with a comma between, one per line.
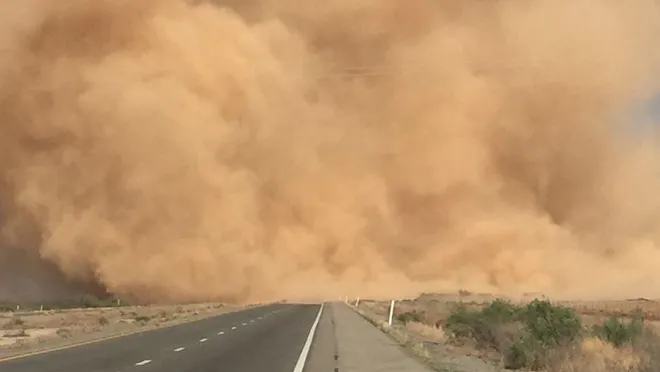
x=83, y=301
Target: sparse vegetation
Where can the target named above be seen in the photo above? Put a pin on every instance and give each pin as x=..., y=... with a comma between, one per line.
x=464, y=293
x=15, y=322
x=620, y=332
x=64, y=332
x=487, y=326
x=409, y=316
x=78, y=302
x=535, y=332
x=535, y=336
x=142, y=318
x=40, y=329
x=16, y=333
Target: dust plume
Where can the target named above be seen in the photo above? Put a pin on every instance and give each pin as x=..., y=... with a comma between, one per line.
x=256, y=150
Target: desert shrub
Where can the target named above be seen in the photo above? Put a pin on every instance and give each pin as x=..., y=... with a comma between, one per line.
x=103, y=321
x=546, y=329
x=142, y=318
x=409, y=316
x=464, y=323
x=15, y=322
x=16, y=333
x=551, y=325
x=486, y=325
x=464, y=293
x=64, y=332
x=526, y=336
x=501, y=311
x=526, y=352
x=618, y=332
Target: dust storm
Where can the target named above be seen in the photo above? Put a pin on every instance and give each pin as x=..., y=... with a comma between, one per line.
x=264, y=149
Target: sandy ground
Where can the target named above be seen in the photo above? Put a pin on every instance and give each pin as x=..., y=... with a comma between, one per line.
x=24, y=332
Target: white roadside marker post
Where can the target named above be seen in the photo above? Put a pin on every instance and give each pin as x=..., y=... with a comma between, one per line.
x=391, y=313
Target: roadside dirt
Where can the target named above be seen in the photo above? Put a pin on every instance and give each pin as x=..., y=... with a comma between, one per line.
x=31, y=331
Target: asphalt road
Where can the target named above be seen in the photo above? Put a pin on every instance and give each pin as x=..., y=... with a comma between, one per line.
x=261, y=339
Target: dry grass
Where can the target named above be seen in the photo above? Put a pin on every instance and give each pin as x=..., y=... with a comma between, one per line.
x=431, y=333
x=596, y=355
x=650, y=309
x=30, y=330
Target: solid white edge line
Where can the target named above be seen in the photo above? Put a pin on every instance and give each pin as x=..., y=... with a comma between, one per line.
x=146, y=361
x=308, y=343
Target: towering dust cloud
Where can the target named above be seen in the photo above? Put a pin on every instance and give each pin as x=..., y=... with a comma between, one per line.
x=265, y=149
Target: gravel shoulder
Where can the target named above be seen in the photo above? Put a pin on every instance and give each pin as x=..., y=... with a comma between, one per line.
x=427, y=344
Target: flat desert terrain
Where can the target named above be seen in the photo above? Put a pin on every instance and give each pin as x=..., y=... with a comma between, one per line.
x=30, y=331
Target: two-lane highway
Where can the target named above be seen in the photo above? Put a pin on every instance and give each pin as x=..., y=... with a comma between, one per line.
x=268, y=338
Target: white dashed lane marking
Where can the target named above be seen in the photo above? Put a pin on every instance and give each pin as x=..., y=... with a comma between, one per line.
x=179, y=349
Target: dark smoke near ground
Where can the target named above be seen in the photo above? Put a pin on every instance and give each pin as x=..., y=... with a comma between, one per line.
x=257, y=150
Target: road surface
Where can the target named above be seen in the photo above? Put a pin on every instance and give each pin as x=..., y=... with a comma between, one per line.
x=268, y=338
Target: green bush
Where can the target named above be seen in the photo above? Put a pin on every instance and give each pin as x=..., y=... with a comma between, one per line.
x=482, y=325
x=526, y=352
x=465, y=323
x=526, y=336
x=551, y=325
x=620, y=333
x=501, y=311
